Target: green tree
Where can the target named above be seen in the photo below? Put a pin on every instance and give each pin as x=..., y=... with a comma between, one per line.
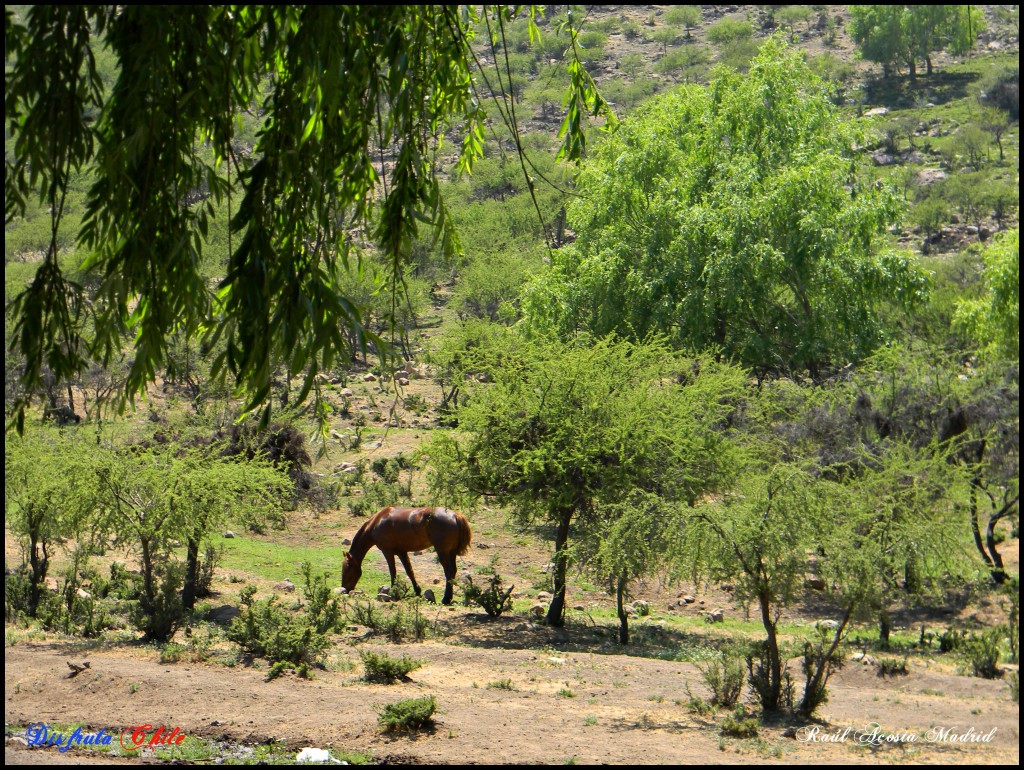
x=895, y=35
x=994, y=319
x=159, y=495
x=757, y=536
x=343, y=93
x=732, y=216
x=630, y=539
x=686, y=16
x=50, y=497
x=567, y=430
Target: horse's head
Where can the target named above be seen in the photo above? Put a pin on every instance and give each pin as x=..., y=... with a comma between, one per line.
x=351, y=571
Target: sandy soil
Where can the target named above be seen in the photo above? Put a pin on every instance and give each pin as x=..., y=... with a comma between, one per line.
x=508, y=692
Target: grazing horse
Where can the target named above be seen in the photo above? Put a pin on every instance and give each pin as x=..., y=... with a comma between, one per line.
x=396, y=531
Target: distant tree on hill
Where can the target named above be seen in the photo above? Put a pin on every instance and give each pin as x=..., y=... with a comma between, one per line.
x=903, y=35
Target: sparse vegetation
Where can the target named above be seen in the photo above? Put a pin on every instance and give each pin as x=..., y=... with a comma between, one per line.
x=812, y=476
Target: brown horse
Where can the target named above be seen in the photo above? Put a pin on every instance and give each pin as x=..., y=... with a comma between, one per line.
x=397, y=531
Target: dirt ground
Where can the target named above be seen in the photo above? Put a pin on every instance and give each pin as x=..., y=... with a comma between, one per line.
x=622, y=709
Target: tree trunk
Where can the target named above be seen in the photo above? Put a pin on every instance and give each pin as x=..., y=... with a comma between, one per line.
x=188, y=591
x=623, y=618
x=556, y=611
x=38, y=564
x=774, y=657
x=884, y=628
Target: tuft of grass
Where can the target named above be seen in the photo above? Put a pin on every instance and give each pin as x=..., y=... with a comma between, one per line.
x=501, y=684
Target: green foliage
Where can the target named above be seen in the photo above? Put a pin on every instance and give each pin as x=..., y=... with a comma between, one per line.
x=396, y=623
x=821, y=658
x=895, y=35
x=384, y=669
x=50, y=496
x=772, y=684
x=686, y=16
x=951, y=640
x=159, y=612
x=994, y=319
x=729, y=31
x=494, y=598
x=566, y=430
x=740, y=726
x=408, y=714
x=889, y=667
x=264, y=628
x=725, y=678
x=292, y=202
x=721, y=218
x=981, y=652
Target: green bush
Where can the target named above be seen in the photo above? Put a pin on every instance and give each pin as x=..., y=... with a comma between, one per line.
x=162, y=614
x=494, y=599
x=951, y=640
x=409, y=714
x=396, y=623
x=724, y=677
x=267, y=630
x=888, y=667
x=739, y=725
x=981, y=653
x=384, y=669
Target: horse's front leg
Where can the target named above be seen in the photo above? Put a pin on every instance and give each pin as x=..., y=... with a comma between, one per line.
x=408, y=571
x=389, y=557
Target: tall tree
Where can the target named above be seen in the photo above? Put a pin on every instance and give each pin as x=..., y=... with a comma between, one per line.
x=567, y=430
x=354, y=100
x=732, y=216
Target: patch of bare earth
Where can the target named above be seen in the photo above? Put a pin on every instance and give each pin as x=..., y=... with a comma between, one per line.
x=508, y=691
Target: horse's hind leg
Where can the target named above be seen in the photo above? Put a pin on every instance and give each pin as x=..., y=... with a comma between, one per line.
x=408, y=571
x=448, y=564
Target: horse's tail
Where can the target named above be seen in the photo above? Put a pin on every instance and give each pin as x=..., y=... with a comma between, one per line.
x=465, y=534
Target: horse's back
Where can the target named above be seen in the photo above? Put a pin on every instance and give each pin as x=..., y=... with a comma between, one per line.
x=418, y=528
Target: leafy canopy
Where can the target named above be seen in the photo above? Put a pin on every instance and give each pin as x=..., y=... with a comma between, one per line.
x=732, y=216
x=354, y=102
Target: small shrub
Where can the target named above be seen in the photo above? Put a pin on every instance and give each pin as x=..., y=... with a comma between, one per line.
x=172, y=653
x=759, y=675
x=1015, y=687
x=384, y=669
x=323, y=609
x=408, y=714
x=493, y=599
x=981, y=652
x=888, y=667
x=265, y=629
x=162, y=614
x=820, y=661
x=501, y=684
x=698, y=705
x=738, y=725
x=724, y=677
x=951, y=640
x=207, y=566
